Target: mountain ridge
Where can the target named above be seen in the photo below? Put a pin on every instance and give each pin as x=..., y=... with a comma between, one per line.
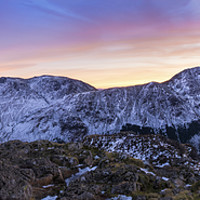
x=162, y=107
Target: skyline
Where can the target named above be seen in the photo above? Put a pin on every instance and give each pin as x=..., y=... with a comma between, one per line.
x=106, y=44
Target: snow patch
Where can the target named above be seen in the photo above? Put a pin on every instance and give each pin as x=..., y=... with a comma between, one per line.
x=147, y=172
x=163, y=165
x=47, y=186
x=50, y=198
x=120, y=197
x=78, y=174
x=165, y=178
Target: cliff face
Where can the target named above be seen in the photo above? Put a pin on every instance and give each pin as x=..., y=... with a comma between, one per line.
x=56, y=108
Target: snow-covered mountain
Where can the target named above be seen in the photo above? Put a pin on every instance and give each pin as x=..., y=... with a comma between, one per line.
x=21, y=98
x=57, y=108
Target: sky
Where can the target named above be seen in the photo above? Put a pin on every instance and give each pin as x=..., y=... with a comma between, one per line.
x=106, y=43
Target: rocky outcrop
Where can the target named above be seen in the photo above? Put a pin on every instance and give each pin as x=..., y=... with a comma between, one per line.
x=15, y=182
x=84, y=171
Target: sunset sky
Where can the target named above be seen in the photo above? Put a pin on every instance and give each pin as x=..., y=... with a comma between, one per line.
x=106, y=43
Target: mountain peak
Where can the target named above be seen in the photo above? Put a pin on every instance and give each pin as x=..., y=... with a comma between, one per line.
x=50, y=87
x=188, y=73
x=186, y=82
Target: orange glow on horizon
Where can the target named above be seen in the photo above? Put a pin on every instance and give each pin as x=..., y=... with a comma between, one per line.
x=105, y=64
x=103, y=79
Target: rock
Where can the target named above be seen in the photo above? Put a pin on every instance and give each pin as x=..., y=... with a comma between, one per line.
x=139, y=197
x=178, y=182
x=165, y=198
x=89, y=160
x=167, y=192
x=39, y=193
x=74, y=146
x=58, y=178
x=14, y=183
x=46, y=180
x=86, y=196
x=66, y=172
x=123, y=188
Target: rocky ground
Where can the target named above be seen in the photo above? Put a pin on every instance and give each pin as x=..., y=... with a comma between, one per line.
x=90, y=171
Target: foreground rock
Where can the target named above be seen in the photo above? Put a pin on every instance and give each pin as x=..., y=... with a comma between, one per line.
x=44, y=169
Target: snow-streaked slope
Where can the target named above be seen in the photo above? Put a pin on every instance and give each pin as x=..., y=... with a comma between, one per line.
x=48, y=111
x=21, y=98
x=154, y=149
